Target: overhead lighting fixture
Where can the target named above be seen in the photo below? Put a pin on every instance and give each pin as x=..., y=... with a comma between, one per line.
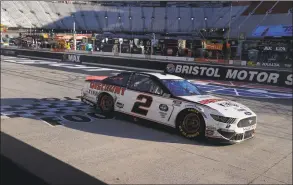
x=192, y=18
x=205, y=18
x=106, y=17
x=179, y=18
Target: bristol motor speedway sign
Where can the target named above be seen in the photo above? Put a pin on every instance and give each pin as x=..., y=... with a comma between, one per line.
x=280, y=78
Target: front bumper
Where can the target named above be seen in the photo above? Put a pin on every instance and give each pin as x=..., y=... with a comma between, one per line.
x=234, y=137
x=231, y=133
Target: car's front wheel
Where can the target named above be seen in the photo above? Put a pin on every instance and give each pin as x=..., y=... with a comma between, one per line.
x=190, y=124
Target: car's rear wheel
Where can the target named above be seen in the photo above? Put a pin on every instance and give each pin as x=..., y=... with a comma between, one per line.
x=190, y=124
x=106, y=105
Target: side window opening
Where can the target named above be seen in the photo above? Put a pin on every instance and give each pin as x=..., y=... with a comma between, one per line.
x=145, y=84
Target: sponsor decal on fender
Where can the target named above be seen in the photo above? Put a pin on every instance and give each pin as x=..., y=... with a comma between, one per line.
x=209, y=132
x=194, y=108
x=228, y=104
x=163, y=114
x=108, y=88
x=93, y=92
x=210, y=128
x=163, y=107
x=119, y=105
x=177, y=103
x=209, y=101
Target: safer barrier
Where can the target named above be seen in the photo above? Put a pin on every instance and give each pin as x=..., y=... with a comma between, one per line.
x=202, y=70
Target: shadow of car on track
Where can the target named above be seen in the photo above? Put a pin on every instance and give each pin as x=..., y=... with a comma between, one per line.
x=24, y=164
x=74, y=114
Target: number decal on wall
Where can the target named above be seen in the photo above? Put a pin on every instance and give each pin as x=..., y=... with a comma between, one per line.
x=141, y=107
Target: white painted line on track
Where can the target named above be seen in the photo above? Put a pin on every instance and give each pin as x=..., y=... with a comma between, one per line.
x=236, y=92
x=77, y=67
x=11, y=61
x=42, y=58
x=218, y=89
x=63, y=65
x=103, y=69
x=47, y=123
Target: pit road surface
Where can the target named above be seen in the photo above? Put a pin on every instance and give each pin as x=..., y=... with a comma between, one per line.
x=120, y=152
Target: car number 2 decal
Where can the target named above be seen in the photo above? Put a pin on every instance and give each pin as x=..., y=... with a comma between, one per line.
x=141, y=107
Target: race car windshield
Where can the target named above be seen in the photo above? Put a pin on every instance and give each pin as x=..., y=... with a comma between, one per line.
x=182, y=88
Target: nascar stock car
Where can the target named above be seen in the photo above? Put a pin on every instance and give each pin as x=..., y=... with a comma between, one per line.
x=172, y=101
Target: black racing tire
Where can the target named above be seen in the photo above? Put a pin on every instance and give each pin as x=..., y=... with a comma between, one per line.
x=105, y=105
x=190, y=124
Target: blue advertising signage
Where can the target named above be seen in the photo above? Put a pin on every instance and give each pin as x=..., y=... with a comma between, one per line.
x=273, y=31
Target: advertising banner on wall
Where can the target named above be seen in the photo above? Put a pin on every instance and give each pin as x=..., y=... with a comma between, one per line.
x=72, y=58
x=272, y=77
x=273, y=31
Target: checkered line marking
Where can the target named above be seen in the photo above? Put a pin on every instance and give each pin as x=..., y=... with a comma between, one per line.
x=37, y=106
x=42, y=109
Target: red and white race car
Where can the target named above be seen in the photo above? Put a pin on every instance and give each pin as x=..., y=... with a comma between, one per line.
x=172, y=101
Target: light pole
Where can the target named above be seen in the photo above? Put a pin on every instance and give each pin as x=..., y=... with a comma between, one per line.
x=74, y=35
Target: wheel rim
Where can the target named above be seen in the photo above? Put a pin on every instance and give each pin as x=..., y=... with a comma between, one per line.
x=106, y=103
x=191, y=123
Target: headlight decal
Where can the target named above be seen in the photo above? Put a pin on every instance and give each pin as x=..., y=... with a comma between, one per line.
x=223, y=119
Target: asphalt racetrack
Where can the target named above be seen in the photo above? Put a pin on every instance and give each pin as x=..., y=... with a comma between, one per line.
x=48, y=131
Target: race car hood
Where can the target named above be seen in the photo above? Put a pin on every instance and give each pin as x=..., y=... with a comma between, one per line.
x=225, y=107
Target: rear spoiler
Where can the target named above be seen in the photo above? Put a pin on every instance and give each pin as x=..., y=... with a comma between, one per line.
x=95, y=78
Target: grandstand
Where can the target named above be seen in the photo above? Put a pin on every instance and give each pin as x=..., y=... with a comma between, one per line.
x=183, y=17
x=199, y=27
x=97, y=17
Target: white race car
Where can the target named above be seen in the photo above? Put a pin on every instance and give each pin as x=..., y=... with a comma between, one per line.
x=172, y=101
